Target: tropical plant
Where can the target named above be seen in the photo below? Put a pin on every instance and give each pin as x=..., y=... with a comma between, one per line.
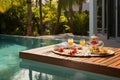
x=48, y=17
x=67, y=6
x=64, y=4
x=7, y=4
x=35, y=21
x=38, y=18
x=81, y=24
x=13, y=20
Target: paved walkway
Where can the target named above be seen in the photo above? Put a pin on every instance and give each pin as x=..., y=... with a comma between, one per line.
x=108, y=42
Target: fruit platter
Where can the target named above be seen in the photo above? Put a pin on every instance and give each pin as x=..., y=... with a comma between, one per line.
x=92, y=48
x=88, y=52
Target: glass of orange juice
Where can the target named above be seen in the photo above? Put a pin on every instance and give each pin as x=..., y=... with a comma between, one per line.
x=70, y=42
x=82, y=42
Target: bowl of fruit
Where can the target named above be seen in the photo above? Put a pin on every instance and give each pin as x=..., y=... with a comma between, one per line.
x=94, y=41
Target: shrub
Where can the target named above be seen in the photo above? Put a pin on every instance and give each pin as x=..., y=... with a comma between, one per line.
x=81, y=24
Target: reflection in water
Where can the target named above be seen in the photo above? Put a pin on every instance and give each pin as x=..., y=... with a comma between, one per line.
x=9, y=55
x=30, y=70
x=42, y=71
x=9, y=61
x=6, y=41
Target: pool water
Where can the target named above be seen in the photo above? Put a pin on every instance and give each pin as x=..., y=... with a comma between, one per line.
x=14, y=68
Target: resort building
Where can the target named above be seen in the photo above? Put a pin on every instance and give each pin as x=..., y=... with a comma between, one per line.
x=110, y=18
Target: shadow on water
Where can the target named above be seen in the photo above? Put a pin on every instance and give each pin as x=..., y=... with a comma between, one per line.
x=43, y=71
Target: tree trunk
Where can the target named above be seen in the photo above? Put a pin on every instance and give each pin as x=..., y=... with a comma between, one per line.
x=80, y=7
x=41, y=22
x=50, y=3
x=58, y=18
x=71, y=18
x=29, y=24
x=67, y=15
x=36, y=3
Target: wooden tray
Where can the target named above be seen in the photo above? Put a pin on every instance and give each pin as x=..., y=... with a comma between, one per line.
x=80, y=54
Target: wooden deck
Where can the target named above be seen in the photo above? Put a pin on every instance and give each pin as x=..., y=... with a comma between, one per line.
x=102, y=65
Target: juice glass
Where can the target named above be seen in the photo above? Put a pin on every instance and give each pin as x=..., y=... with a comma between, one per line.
x=70, y=42
x=82, y=42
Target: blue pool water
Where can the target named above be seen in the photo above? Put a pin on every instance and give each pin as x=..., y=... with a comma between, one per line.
x=13, y=68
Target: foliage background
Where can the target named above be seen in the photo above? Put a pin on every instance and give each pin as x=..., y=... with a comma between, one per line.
x=13, y=19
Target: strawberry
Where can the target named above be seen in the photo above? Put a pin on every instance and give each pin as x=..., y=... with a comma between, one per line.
x=70, y=53
x=61, y=50
x=74, y=50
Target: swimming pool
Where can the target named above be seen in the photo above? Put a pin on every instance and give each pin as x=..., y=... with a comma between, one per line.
x=13, y=68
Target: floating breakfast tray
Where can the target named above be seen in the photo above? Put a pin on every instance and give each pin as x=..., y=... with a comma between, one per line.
x=81, y=54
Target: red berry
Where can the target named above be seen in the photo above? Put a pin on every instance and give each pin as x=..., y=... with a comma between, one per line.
x=61, y=50
x=74, y=50
x=70, y=53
